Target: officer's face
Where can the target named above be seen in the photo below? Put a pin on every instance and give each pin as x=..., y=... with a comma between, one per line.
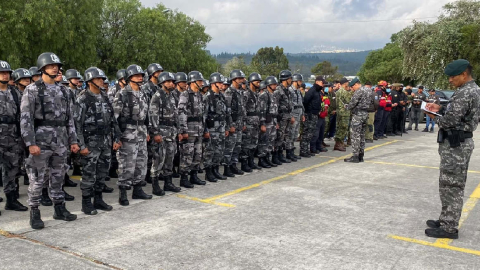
x=36, y=78
x=4, y=76
x=257, y=84
x=25, y=81
x=458, y=80
x=59, y=76
x=52, y=69
x=183, y=85
x=75, y=81
x=169, y=84
x=138, y=78
x=97, y=81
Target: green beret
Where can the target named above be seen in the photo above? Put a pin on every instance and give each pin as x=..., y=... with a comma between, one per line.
x=456, y=67
x=353, y=82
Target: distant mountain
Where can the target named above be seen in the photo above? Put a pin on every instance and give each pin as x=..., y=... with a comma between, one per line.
x=348, y=63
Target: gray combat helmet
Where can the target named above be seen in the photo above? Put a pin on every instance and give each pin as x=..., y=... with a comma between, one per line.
x=134, y=70
x=195, y=76
x=48, y=58
x=284, y=75
x=94, y=72
x=180, y=77
x=254, y=77
x=152, y=68
x=270, y=80
x=297, y=77
x=121, y=74
x=20, y=73
x=237, y=73
x=72, y=74
x=34, y=71
x=166, y=76
x=5, y=66
x=216, y=78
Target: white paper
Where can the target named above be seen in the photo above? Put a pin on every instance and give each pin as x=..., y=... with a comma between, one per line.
x=424, y=108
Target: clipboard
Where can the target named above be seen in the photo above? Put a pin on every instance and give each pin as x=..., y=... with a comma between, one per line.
x=424, y=108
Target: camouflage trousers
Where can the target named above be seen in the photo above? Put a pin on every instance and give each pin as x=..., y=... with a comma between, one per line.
x=47, y=168
x=267, y=139
x=9, y=165
x=213, y=154
x=359, y=124
x=283, y=132
x=342, y=127
x=163, y=158
x=453, y=177
x=190, y=154
x=95, y=167
x=132, y=163
x=152, y=147
x=233, y=146
x=294, y=131
x=250, y=136
x=370, y=126
x=309, y=128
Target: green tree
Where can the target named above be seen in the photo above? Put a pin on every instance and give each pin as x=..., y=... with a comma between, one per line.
x=66, y=27
x=325, y=68
x=270, y=61
x=383, y=64
x=237, y=63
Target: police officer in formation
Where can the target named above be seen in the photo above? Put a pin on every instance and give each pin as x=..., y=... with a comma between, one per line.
x=173, y=119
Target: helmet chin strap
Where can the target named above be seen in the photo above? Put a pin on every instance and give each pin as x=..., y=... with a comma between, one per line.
x=51, y=76
x=3, y=82
x=99, y=87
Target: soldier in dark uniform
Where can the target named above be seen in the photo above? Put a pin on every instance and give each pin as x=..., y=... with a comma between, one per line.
x=458, y=122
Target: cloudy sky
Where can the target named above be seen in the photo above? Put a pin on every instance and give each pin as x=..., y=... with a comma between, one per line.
x=307, y=25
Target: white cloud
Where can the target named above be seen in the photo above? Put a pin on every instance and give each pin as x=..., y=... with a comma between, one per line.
x=300, y=37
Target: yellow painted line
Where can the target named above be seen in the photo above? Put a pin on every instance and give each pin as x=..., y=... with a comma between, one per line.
x=436, y=245
x=410, y=165
x=467, y=208
x=214, y=198
x=205, y=201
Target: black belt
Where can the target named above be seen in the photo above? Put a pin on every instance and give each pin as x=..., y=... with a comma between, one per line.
x=194, y=119
x=253, y=114
x=8, y=120
x=51, y=123
x=101, y=130
x=167, y=123
x=297, y=106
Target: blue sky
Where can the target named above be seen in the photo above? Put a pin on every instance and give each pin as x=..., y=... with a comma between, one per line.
x=302, y=34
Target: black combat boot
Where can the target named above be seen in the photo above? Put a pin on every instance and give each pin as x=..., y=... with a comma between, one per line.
x=156, y=190
x=76, y=170
x=123, y=198
x=68, y=197
x=275, y=162
x=169, y=186
x=360, y=156
x=99, y=203
x=251, y=161
x=352, y=159
x=227, y=172
x=148, y=178
x=441, y=233
x=113, y=172
x=26, y=180
x=291, y=156
x=12, y=203
x=62, y=213
x=17, y=189
x=35, y=219
x=184, y=181
x=175, y=174
x=244, y=167
x=139, y=194
x=295, y=156
x=45, y=200
x=209, y=175
x=262, y=162
x=433, y=223
x=200, y=170
x=87, y=206
x=195, y=180
x=235, y=170
x=107, y=189
x=281, y=157
x=68, y=182
x=217, y=174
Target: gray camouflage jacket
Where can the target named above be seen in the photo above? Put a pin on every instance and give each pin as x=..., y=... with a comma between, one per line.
x=124, y=100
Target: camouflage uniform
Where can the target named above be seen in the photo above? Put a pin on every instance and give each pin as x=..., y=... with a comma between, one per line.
x=111, y=93
x=190, y=118
x=268, y=108
x=11, y=149
x=163, y=116
x=298, y=112
x=95, y=124
x=131, y=109
x=53, y=130
x=343, y=115
x=252, y=123
x=462, y=113
x=360, y=102
x=217, y=117
x=285, y=108
x=23, y=149
x=233, y=143
x=149, y=89
x=73, y=158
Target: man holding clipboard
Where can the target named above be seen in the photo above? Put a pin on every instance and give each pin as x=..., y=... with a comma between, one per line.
x=457, y=122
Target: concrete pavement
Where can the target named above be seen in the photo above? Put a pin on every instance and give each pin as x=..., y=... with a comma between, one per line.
x=318, y=213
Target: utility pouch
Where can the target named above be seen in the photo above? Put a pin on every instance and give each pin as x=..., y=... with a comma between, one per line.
x=454, y=138
x=440, y=136
x=210, y=122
